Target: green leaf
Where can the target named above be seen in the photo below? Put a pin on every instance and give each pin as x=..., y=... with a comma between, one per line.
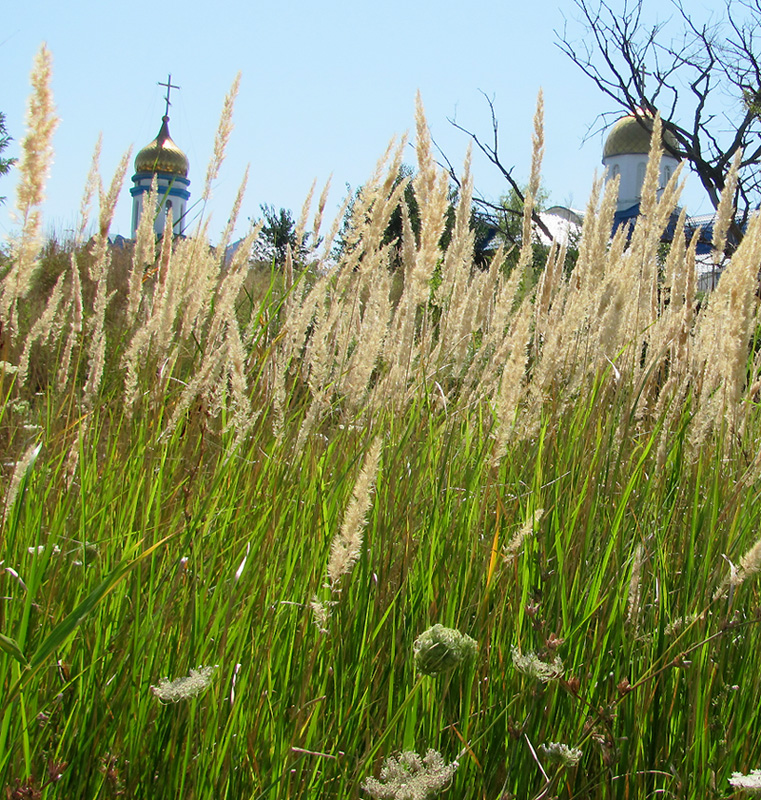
x=56, y=638
x=11, y=647
x=61, y=632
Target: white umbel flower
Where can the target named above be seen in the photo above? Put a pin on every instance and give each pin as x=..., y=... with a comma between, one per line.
x=411, y=777
x=747, y=783
x=530, y=664
x=560, y=753
x=184, y=688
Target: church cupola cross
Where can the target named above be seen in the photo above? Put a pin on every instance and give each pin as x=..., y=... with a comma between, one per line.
x=169, y=86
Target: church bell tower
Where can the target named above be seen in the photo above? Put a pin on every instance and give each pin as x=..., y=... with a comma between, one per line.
x=164, y=159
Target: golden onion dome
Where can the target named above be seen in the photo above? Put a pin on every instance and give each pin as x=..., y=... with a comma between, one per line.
x=629, y=135
x=162, y=155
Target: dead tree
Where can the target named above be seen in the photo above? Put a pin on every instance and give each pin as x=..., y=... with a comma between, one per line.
x=704, y=77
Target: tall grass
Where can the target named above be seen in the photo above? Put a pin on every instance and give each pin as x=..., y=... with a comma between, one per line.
x=272, y=485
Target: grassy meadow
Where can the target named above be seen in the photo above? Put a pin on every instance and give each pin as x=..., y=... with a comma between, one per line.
x=232, y=500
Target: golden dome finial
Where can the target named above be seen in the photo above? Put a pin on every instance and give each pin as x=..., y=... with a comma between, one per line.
x=162, y=154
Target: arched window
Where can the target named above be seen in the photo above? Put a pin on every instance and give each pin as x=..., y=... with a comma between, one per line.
x=641, y=167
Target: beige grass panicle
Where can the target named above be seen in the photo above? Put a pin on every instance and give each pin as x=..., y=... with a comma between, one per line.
x=634, y=600
x=201, y=277
x=512, y=548
x=99, y=273
x=362, y=209
x=335, y=304
x=537, y=154
x=106, y=207
x=74, y=332
x=221, y=139
x=431, y=186
x=722, y=338
x=34, y=166
x=42, y=329
x=457, y=261
x=220, y=378
x=726, y=211
x=459, y=292
x=96, y=334
x=319, y=403
x=370, y=338
x=20, y=469
x=320, y=212
x=149, y=332
x=144, y=253
x=513, y=381
x=346, y=546
x=224, y=239
x=301, y=223
x=750, y=565
x=91, y=185
x=403, y=351
x=321, y=613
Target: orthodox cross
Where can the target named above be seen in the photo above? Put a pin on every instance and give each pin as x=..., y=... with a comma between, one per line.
x=169, y=86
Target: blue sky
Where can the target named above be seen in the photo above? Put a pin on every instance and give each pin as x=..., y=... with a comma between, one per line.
x=325, y=85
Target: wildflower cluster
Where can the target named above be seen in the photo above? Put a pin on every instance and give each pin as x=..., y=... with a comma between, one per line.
x=530, y=664
x=184, y=688
x=440, y=649
x=411, y=777
x=560, y=753
x=747, y=783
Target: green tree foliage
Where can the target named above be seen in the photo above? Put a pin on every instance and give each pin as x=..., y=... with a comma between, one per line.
x=508, y=217
x=5, y=139
x=484, y=229
x=279, y=233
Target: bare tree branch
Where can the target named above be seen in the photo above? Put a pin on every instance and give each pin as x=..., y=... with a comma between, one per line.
x=491, y=151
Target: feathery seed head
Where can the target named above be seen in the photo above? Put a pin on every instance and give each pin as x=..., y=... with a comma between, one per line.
x=527, y=529
x=36, y=157
x=222, y=137
x=321, y=613
x=347, y=544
